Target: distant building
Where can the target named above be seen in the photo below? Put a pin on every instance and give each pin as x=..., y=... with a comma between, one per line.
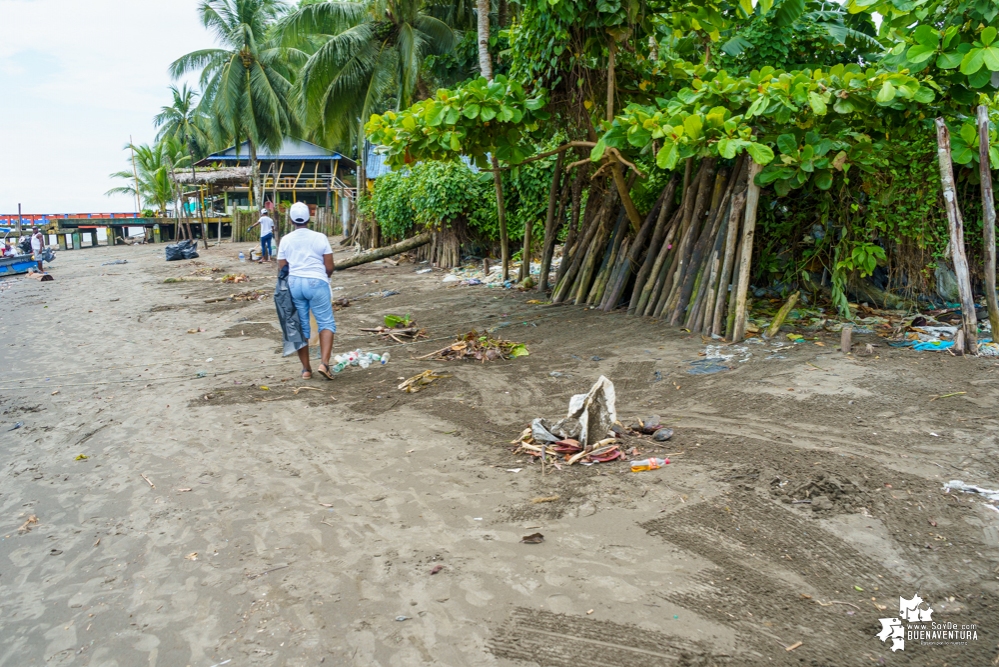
x=299, y=171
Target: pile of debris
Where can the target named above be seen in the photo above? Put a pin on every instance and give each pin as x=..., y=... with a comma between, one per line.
x=479, y=346
x=424, y=379
x=397, y=328
x=235, y=278
x=590, y=432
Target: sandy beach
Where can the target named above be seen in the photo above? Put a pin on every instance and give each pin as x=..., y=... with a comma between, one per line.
x=198, y=504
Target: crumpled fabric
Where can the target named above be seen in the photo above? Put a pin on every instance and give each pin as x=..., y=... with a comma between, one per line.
x=291, y=327
x=595, y=411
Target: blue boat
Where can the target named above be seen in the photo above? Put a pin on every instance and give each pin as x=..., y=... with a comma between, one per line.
x=10, y=266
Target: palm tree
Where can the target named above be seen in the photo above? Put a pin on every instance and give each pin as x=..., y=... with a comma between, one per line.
x=185, y=122
x=365, y=57
x=154, y=169
x=247, y=91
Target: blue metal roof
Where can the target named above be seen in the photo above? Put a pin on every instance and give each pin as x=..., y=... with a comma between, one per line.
x=246, y=157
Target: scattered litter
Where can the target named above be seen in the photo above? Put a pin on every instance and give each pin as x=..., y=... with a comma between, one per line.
x=707, y=366
x=192, y=556
x=437, y=568
x=418, y=382
x=16, y=426
x=596, y=358
x=451, y=278
x=147, y=481
x=958, y=485
x=26, y=526
x=662, y=435
x=402, y=618
x=183, y=490
x=423, y=271
x=793, y=646
x=648, y=464
x=479, y=346
x=358, y=358
x=235, y=278
x=81, y=457
x=115, y=262
x=198, y=330
x=533, y=538
x=514, y=469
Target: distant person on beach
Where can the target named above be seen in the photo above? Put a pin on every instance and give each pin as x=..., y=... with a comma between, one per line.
x=266, y=234
x=309, y=259
x=37, y=243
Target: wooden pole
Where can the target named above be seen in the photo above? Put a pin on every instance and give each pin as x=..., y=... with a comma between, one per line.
x=844, y=339
x=135, y=175
x=501, y=218
x=989, y=219
x=725, y=279
x=748, y=229
x=956, y=224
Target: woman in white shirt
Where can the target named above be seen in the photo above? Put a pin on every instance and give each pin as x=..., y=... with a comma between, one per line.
x=309, y=259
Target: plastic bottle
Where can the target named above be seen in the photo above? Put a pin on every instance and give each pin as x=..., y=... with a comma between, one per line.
x=242, y=257
x=339, y=366
x=384, y=359
x=364, y=361
x=648, y=464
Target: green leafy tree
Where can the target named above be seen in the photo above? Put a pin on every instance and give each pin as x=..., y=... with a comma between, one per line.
x=248, y=92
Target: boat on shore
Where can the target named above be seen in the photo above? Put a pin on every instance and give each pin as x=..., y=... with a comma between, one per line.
x=17, y=264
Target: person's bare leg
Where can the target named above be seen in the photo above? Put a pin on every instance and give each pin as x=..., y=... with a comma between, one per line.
x=303, y=356
x=325, y=346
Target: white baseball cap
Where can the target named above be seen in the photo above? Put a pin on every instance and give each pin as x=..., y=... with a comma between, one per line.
x=299, y=213
x=263, y=211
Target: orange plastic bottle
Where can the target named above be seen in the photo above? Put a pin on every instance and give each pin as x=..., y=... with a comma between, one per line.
x=648, y=464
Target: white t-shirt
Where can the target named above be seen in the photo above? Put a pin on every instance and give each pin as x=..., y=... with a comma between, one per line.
x=303, y=249
x=266, y=226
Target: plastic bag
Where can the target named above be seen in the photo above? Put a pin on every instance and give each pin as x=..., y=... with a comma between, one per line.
x=186, y=249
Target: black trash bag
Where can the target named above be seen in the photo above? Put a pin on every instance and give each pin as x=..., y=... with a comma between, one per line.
x=186, y=249
x=292, y=338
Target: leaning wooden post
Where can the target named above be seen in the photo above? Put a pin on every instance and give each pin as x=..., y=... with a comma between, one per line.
x=748, y=229
x=968, y=319
x=989, y=219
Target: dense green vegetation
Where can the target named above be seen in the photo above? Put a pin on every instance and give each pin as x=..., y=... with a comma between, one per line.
x=834, y=101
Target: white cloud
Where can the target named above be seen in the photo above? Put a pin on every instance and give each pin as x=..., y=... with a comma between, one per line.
x=77, y=77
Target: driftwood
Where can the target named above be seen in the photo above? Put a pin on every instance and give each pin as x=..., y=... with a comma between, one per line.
x=782, y=315
x=387, y=251
x=956, y=225
x=989, y=223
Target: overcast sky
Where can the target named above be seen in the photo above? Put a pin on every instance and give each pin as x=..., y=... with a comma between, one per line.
x=77, y=77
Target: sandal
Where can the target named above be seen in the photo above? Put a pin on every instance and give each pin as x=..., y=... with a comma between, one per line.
x=324, y=370
x=306, y=374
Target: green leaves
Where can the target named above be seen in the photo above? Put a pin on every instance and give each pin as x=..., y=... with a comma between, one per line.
x=887, y=93
x=761, y=153
x=480, y=118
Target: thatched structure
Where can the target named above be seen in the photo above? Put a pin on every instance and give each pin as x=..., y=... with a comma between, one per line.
x=215, y=177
